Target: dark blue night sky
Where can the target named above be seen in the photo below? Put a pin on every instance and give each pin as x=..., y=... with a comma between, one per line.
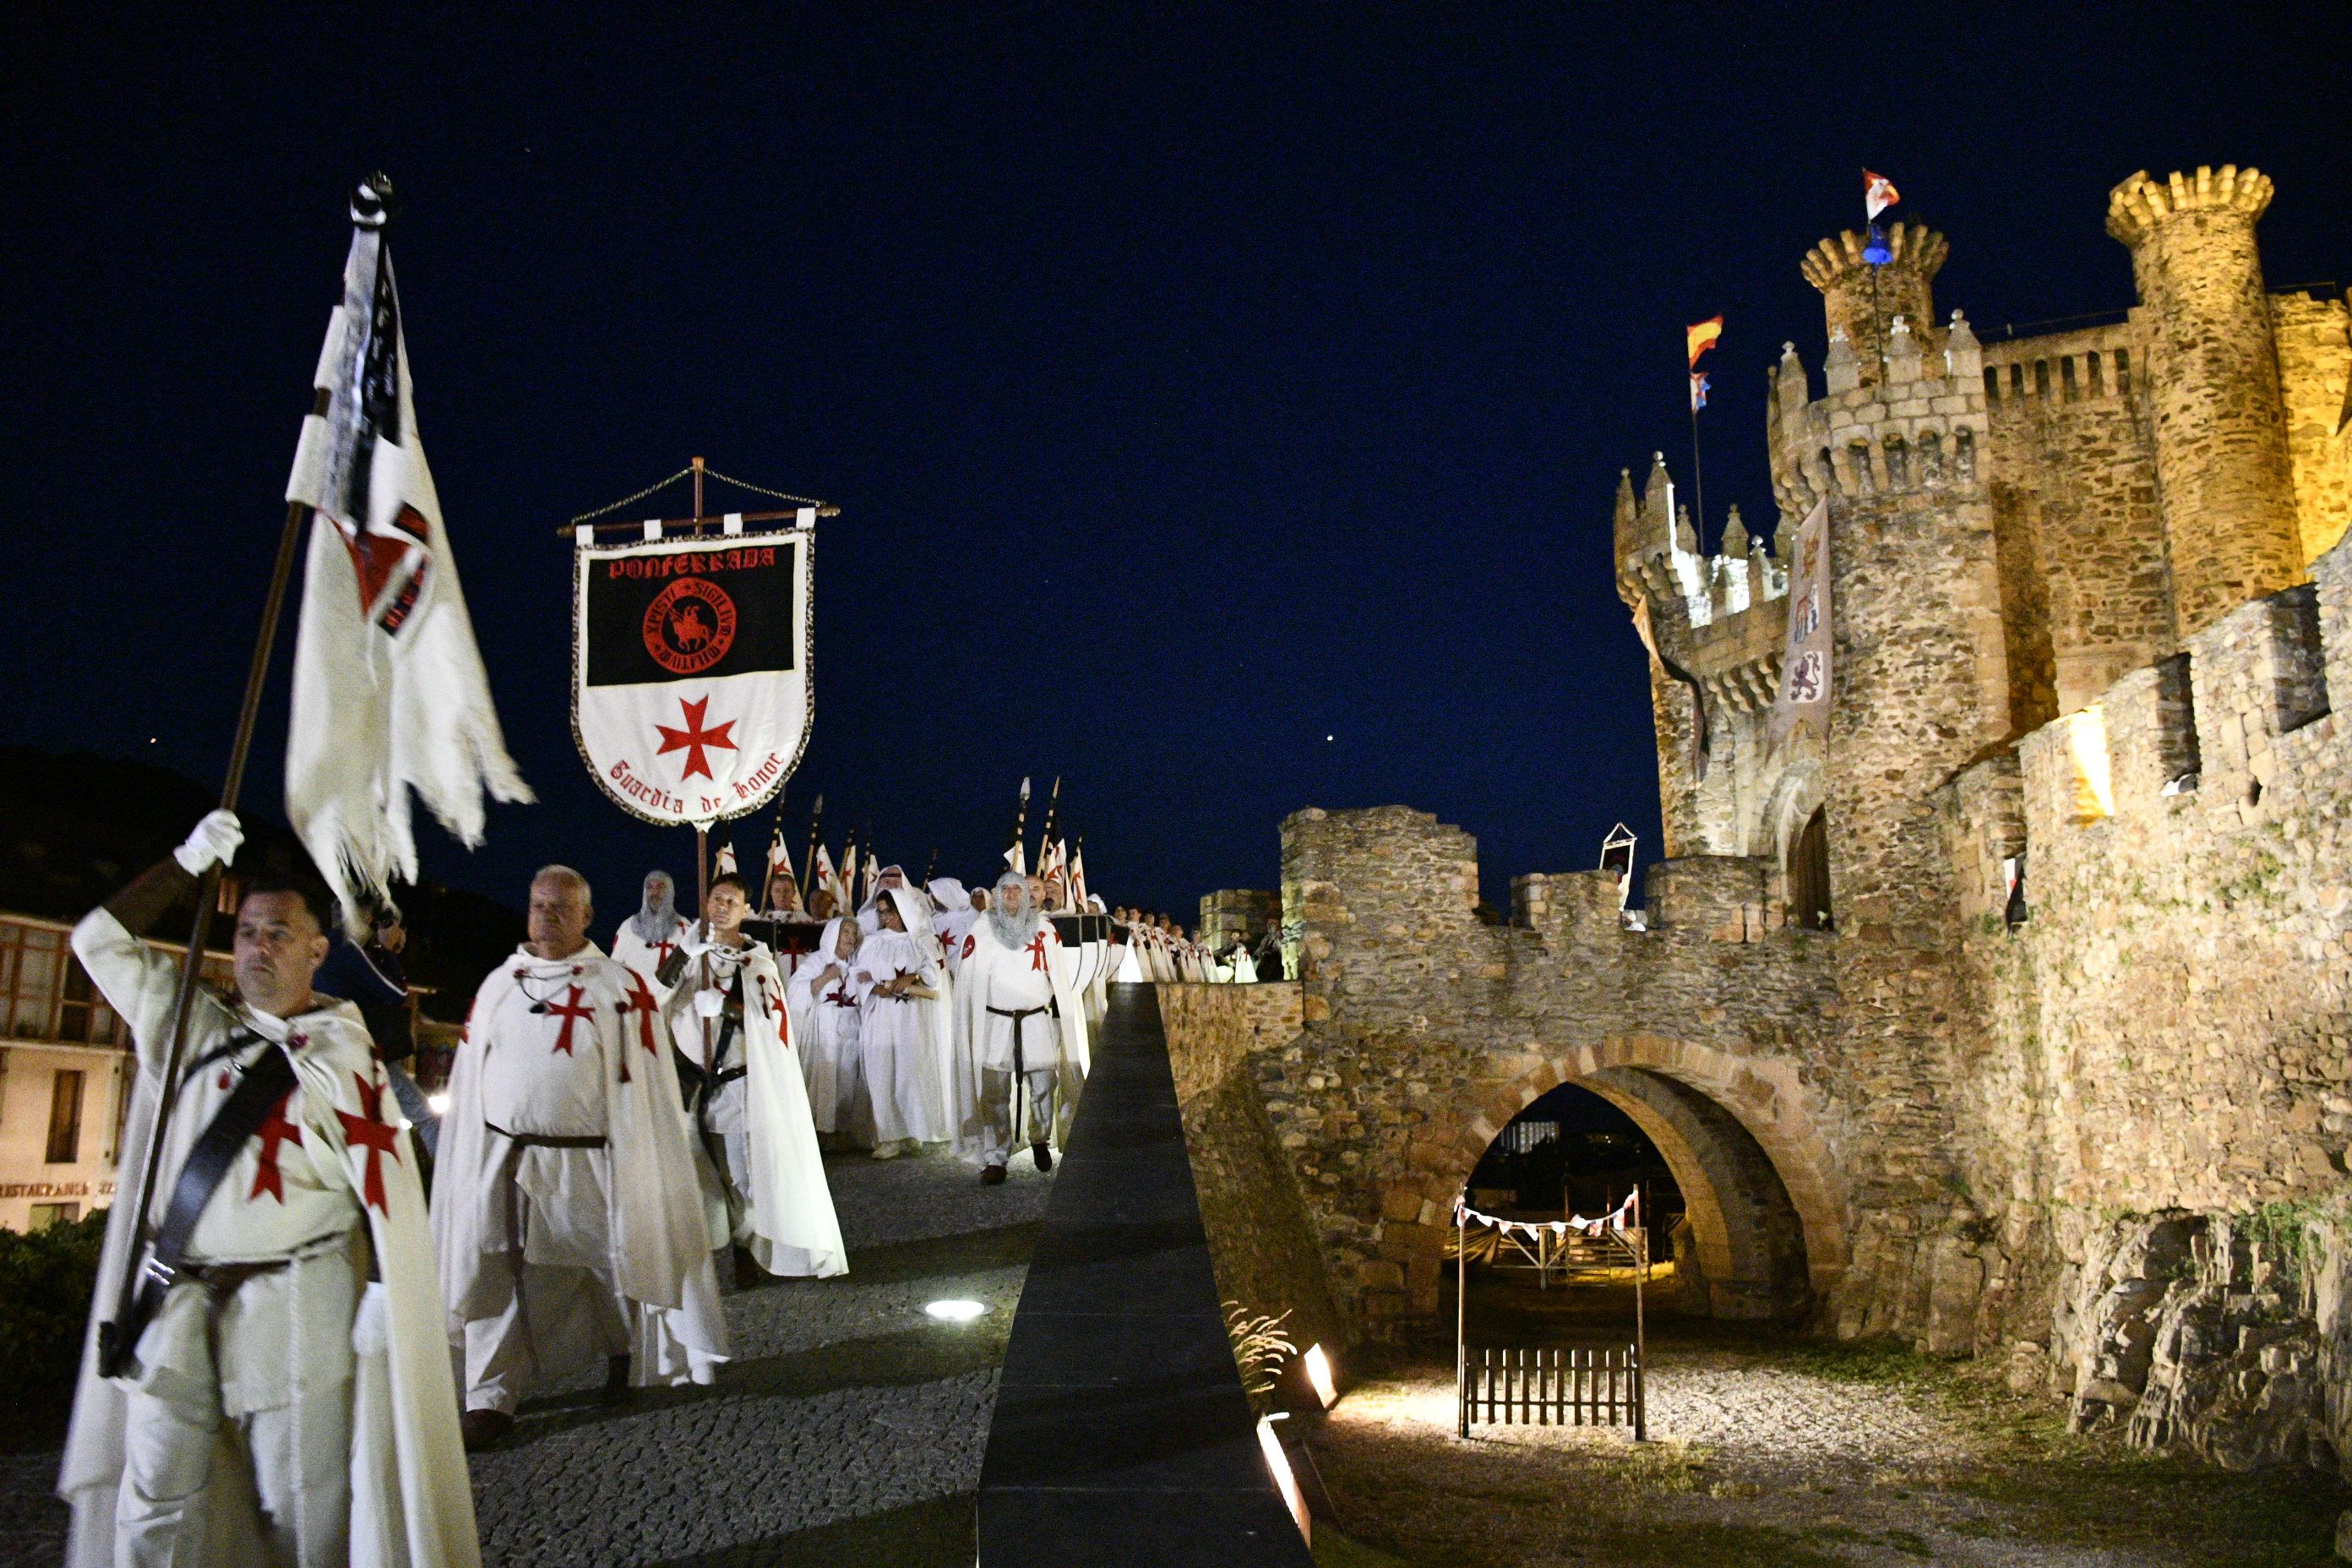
x=1196, y=383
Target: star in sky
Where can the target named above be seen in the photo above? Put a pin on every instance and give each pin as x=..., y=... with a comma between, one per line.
x=694, y=738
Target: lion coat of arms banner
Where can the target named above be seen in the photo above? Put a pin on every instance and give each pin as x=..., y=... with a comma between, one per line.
x=690, y=669
x=1803, y=703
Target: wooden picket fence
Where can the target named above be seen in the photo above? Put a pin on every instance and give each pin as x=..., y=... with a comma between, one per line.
x=1570, y=1386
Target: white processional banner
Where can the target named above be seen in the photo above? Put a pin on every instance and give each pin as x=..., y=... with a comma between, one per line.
x=1803, y=703
x=690, y=688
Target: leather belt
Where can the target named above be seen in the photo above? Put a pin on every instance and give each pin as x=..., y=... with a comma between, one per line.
x=547, y=1140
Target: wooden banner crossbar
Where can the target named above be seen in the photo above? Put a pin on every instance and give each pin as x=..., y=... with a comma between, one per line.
x=1567, y=1385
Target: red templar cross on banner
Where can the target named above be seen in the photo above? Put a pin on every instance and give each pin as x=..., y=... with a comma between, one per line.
x=694, y=738
x=374, y=1134
x=274, y=1129
x=571, y=1012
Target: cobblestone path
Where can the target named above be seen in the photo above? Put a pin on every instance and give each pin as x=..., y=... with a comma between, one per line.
x=849, y=1427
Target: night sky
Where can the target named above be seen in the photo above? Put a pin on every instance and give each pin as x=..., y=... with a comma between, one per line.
x=1196, y=384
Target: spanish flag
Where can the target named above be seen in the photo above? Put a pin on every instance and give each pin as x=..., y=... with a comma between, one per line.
x=1701, y=337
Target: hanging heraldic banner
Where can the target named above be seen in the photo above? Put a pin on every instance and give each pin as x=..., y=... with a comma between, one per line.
x=1803, y=702
x=690, y=669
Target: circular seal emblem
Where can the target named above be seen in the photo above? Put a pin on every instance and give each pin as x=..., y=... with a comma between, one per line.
x=689, y=626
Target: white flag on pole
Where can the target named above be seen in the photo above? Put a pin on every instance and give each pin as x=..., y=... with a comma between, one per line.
x=389, y=690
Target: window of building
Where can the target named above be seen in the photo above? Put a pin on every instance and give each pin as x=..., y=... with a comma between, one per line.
x=65, y=1119
x=1809, y=875
x=47, y=1214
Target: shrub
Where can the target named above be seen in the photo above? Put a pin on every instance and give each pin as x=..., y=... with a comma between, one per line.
x=47, y=1277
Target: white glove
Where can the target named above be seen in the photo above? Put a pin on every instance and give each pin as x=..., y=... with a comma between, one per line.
x=696, y=941
x=708, y=1003
x=214, y=843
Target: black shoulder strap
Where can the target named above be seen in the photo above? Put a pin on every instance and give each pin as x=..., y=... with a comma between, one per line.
x=239, y=1118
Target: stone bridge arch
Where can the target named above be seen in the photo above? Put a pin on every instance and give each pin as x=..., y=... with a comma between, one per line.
x=1769, y=1217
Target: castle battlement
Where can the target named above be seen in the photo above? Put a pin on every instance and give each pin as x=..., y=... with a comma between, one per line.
x=1722, y=618
x=1918, y=424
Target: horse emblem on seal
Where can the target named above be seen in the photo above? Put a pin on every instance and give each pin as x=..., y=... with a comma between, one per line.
x=689, y=626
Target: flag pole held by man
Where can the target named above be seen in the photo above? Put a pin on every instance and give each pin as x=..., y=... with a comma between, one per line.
x=277, y=1386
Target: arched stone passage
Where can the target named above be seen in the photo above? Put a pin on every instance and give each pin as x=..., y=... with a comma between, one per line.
x=1769, y=1225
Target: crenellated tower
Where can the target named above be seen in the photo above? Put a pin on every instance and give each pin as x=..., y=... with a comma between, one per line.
x=2225, y=491
x=1863, y=301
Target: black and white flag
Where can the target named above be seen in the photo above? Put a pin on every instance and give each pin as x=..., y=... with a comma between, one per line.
x=389, y=690
x=690, y=668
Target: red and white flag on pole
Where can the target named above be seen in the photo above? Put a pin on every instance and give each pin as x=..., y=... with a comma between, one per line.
x=1878, y=194
x=779, y=860
x=826, y=879
x=723, y=863
x=1078, y=877
x=389, y=691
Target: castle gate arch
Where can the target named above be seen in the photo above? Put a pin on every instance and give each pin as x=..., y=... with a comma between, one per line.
x=1768, y=1227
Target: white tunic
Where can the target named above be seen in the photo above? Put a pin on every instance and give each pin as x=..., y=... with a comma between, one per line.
x=906, y=1031
x=572, y=1047
x=793, y=1230
x=825, y=1002
x=998, y=981
x=327, y=1161
x=632, y=951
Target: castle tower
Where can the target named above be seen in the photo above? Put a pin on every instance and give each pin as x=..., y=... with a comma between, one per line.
x=2224, y=490
x=1862, y=302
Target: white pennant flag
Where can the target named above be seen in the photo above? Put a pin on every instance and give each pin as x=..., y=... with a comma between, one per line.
x=389, y=690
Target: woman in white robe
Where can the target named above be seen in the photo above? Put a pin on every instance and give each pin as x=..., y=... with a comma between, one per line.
x=826, y=1002
x=906, y=987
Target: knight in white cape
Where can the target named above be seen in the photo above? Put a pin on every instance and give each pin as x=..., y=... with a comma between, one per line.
x=1020, y=1032
x=733, y=1037
x=289, y=1400
x=564, y=1201
x=903, y=1032
x=646, y=941
x=824, y=1004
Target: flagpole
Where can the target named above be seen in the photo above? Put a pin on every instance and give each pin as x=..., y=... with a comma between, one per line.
x=1698, y=474
x=808, y=861
x=1053, y=805
x=110, y=1352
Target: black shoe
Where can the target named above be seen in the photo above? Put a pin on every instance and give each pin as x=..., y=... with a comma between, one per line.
x=484, y=1428
x=616, y=1380
x=992, y=1176
x=1042, y=1154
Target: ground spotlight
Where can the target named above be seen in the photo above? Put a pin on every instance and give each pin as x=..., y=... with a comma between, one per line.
x=1319, y=1374
x=1279, y=1463
x=956, y=1311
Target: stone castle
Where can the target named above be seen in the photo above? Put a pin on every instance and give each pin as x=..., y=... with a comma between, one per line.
x=2013, y=1016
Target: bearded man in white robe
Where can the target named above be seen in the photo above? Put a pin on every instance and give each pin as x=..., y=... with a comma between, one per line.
x=747, y=1101
x=647, y=939
x=565, y=1205
x=1021, y=1028
x=284, y=1395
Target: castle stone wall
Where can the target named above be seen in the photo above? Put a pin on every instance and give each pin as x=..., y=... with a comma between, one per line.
x=2074, y=473
x=2315, y=354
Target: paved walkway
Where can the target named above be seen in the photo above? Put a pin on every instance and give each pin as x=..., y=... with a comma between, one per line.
x=849, y=1427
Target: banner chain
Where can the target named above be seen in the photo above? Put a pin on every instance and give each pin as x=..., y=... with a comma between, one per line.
x=761, y=489
x=627, y=500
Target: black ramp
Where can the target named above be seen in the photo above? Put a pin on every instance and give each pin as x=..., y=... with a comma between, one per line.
x=1122, y=1434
